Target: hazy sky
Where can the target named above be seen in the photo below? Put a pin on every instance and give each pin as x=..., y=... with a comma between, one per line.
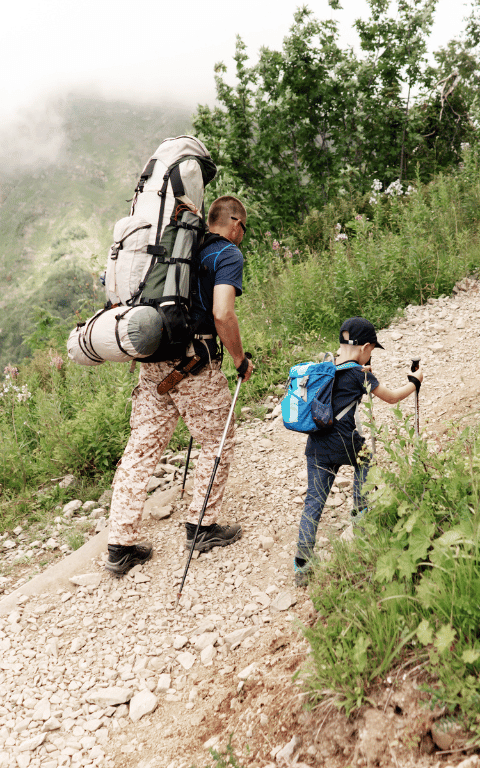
x=150, y=48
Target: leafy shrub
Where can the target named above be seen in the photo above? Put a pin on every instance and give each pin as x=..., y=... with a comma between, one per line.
x=405, y=593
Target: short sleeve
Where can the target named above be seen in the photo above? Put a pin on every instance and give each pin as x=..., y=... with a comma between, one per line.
x=369, y=379
x=228, y=268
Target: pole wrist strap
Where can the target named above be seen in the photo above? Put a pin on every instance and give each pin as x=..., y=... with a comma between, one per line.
x=243, y=367
x=417, y=382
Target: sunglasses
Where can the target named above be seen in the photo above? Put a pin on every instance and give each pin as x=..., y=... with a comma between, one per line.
x=241, y=224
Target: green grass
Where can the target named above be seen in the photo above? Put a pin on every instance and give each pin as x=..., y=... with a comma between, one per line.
x=404, y=594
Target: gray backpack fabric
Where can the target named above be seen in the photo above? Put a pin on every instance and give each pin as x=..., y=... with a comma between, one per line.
x=150, y=263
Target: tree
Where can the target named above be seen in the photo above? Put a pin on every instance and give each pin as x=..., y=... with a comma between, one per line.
x=313, y=121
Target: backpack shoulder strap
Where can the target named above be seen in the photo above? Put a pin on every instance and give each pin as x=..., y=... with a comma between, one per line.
x=344, y=367
x=348, y=364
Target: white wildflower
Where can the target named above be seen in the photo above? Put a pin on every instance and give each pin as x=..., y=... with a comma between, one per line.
x=377, y=185
x=341, y=236
x=395, y=188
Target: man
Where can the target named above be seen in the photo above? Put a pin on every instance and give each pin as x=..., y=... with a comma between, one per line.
x=203, y=401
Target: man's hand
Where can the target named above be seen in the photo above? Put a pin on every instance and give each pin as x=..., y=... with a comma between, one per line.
x=248, y=371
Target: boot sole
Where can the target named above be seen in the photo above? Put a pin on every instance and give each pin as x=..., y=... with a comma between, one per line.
x=211, y=543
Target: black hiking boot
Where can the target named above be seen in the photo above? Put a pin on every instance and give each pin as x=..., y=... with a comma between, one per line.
x=210, y=536
x=121, y=559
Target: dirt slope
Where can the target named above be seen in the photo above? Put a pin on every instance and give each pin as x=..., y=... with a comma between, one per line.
x=223, y=662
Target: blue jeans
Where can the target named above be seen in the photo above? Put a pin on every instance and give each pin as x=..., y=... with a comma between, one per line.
x=320, y=481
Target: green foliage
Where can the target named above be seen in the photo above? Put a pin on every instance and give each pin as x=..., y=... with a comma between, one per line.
x=224, y=759
x=314, y=122
x=402, y=249
x=405, y=593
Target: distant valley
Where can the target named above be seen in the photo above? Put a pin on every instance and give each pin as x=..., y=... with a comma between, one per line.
x=56, y=218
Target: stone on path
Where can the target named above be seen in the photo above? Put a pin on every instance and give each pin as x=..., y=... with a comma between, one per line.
x=31, y=744
x=348, y=534
x=285, y=757
x=207, y=655
x=72, y=507
x=283, y=601
x=42, y=710
x=142, y=704
x=266, y=542
x=237, y=637
x=179, y=642
x=87, y=580
x=205, y=639
x=109, y=697
x=164, y=683
x=244, y=674
x=186, y=659
x=160, y=513
x=52, y=724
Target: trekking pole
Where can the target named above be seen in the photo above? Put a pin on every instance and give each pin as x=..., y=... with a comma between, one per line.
x=186, y=467
x=415, y=367
x=212, y=478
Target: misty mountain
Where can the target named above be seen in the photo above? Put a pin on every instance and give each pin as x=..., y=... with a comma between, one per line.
x=65, y=178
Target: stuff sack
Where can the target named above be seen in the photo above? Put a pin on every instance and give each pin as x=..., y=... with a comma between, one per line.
x=307, y=405
x=119, y=335
x=151, y=260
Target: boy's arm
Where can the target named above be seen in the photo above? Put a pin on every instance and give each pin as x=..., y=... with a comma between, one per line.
x=393, y=396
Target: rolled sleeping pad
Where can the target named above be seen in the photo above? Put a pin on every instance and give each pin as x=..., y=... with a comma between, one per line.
x=119, y=335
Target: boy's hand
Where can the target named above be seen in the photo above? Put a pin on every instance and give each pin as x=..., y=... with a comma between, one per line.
x=418, y=374
x=367, y=368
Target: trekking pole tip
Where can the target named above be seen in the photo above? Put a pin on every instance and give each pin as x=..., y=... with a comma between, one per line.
x=177, y=600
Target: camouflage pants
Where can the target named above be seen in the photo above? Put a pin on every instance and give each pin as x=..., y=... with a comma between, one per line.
x=203, y=401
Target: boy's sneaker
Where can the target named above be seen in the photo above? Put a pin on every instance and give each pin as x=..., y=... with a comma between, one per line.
x=121, y=559
x=302, y=573
x=210, y=536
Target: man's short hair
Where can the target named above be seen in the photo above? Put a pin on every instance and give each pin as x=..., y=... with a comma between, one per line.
x=223, y=208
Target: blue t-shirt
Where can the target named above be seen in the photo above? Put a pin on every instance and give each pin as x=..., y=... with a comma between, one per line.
x=220, y=263
x=342, y=444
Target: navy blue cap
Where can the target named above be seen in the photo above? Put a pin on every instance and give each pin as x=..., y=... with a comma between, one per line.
x=360, y=331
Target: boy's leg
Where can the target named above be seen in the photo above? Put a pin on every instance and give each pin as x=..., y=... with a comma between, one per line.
x=320, y=481
x=152, y=423
x=360, y=473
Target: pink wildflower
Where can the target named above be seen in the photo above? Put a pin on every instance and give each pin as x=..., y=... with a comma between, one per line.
x=11, y=371
x=56, y=361
x=288, y=255
x=275, y=245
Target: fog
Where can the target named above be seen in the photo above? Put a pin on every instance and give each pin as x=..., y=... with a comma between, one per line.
x=148, y=51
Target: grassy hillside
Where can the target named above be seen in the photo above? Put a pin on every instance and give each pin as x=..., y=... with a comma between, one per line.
x=56, y=221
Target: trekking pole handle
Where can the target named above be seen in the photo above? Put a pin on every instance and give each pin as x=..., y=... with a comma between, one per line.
x=415, y=364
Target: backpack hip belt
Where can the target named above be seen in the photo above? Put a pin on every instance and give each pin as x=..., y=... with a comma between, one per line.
x=189, y=365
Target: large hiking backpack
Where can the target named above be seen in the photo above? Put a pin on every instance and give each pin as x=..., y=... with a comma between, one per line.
x=307, y=404
x=150, y=269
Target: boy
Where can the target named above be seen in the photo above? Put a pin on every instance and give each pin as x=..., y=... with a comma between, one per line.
x=327, y=451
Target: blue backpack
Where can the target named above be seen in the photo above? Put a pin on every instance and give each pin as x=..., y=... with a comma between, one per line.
x=307, y=405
